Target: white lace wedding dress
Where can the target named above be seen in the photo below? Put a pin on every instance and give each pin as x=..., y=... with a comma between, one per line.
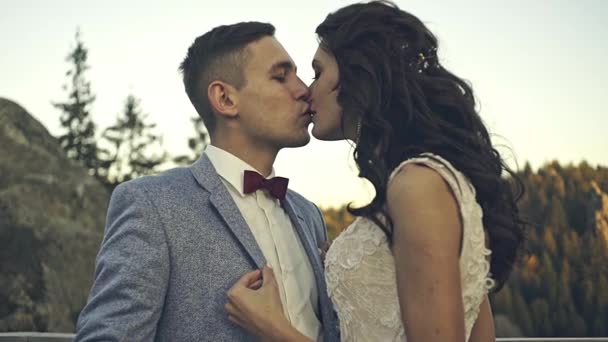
x=360, y=270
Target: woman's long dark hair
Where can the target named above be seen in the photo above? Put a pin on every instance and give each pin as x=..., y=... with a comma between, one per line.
x=391, y=78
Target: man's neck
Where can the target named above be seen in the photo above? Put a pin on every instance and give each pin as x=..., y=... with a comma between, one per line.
x=259, y=158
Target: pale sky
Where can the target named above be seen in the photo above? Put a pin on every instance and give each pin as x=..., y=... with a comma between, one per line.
x=539, y=70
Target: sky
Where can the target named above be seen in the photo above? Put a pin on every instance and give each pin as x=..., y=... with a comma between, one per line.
x=538, y=68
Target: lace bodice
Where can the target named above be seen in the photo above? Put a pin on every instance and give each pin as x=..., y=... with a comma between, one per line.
x=360, y=269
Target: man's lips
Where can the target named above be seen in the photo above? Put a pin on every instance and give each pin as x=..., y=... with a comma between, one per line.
x=306, y=111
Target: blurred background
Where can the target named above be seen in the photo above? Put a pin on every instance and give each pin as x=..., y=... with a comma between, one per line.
x=90, y=96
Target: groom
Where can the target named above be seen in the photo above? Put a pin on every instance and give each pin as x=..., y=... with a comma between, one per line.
x=175, y=243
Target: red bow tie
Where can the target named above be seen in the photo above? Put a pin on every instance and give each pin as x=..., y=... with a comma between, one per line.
x=277, y=186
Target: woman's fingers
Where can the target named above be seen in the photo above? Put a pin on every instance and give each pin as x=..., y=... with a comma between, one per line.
x=268, y=276
x=256, y=284
x=234, y=314
x=243, y=284
x=254, y=301
x=230, y=309
x=249, y=278
x=236, y=321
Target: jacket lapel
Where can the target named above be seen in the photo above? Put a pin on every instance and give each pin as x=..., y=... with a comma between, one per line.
x=207, y=177
x=305, y=235
x=326, y=307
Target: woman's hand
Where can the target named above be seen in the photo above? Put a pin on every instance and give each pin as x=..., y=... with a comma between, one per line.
x=255, y=305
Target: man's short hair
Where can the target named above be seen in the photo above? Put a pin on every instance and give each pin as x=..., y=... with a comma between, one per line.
x=219, y=54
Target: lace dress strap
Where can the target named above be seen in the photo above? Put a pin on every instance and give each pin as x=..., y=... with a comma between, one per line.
x=441, y=166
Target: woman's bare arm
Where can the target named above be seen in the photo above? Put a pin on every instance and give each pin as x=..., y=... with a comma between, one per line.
x=483, y=329
x=427, y=234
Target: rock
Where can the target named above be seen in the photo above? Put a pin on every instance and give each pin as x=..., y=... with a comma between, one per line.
x=52, y=215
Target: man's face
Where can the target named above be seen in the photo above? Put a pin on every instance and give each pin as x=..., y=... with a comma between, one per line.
x=273, y=105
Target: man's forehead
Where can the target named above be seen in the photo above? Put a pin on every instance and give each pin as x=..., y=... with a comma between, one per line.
x=269, y=54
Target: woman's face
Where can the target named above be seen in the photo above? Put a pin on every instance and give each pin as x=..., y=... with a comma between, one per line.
x=327, y=118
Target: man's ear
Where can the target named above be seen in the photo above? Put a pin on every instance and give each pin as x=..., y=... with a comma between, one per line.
x=223, y=98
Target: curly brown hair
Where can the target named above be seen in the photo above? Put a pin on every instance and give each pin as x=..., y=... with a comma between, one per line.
x=408, y=103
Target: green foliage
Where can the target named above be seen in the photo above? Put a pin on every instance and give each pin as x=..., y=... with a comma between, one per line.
x=336, y=220
x=196, y=144
x=562, y=277
x=134, y=149
x=78, y=140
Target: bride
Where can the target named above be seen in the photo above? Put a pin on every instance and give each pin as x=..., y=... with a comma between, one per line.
x=443, y=229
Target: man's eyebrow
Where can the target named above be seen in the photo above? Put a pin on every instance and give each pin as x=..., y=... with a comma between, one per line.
x=285, y=65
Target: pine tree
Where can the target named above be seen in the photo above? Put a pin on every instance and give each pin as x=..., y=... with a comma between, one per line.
x=132, y=146
x=539, y=310
x=196, y=144
x=79, y=139
x=502, y=302
x=522, y=316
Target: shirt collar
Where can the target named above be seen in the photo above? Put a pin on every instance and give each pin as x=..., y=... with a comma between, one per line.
x=230, y=167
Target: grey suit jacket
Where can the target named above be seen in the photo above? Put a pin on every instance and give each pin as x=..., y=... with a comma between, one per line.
x=173, y=246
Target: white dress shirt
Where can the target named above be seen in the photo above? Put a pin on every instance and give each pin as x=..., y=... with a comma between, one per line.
x=278, y=241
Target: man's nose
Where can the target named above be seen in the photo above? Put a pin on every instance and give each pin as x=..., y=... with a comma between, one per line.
x=302, y=91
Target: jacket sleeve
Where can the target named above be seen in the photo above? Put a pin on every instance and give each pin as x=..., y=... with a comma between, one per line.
x=131, y=272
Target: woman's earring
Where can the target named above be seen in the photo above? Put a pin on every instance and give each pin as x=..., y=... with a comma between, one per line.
x=358, y=133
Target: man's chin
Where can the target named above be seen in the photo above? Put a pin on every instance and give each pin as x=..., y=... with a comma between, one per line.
x=299, y=141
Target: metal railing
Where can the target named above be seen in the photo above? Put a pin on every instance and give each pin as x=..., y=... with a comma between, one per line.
x=35, y=337
x=58, y=337
x=552, y=339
